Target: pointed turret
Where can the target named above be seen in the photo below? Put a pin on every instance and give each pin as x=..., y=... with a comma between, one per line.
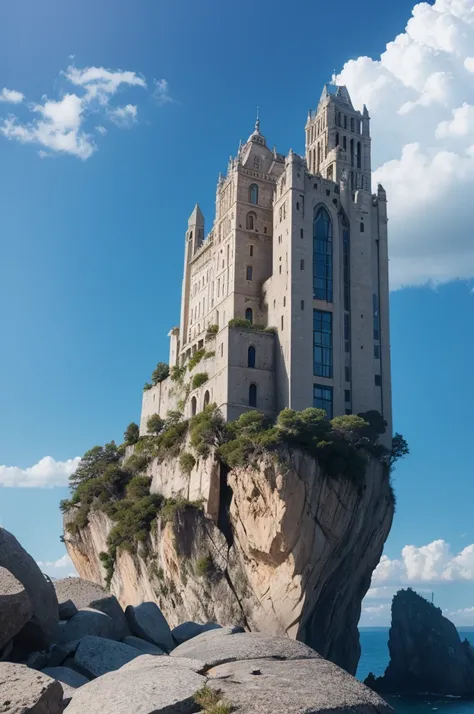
x=196, y=218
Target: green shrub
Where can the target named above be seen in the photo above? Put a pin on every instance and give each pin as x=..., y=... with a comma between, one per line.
x=210, y=701
x=206, y=429
x=173, y=506
x=138, y=487
x=147, y=386
x=271, y=330
x=240, y=322
x=196, y=358
x=212, y=330
x=204, y=566
x=209, y=355
x=160, y=373
x=155, y=424
x=399, y=450
x=199, y=379
x=136, y=463
x=187, y=462
x=177, y=373
x=109, y=566
x=132, y=434
x=168, y=443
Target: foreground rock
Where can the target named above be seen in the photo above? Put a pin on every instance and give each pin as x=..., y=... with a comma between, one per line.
x=426, y=652
x=292, y=554
x=39, y=590
x=188, y=630
x=85, y=622
x=148, y=622
x=25, y=690
x=96, y=656
x=79, y=594
x=15, y=607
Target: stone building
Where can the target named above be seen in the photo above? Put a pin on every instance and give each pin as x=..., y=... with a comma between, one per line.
x=298, y=249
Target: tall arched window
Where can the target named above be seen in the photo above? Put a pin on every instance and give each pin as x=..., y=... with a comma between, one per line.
x=193, y=406
x=249, y=314
x=352, y=152
x=359, y=155
x=206, y=398
x=253, y=194
x=249, y=272
x=251, y=357
x=322, y=255
x=250, y=224
x=253, y=395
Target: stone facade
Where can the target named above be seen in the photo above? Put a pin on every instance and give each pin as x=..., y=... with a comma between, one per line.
x=298, y=245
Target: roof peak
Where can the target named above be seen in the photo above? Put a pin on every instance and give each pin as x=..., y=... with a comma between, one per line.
x=196, y=216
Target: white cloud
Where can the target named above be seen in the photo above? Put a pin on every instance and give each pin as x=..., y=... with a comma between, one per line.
x=162, y=92
x=11, y=96
x=124, y=116
x=420, y=95
x=432, y=563
x=60, y=126
x=47, y=473
x=61, y=568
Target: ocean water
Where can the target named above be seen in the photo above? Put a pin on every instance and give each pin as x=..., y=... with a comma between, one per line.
x=375, y=657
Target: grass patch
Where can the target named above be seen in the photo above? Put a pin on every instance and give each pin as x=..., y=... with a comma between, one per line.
x=211, y=702
x=199, y=379
x=196, y=358
x=187, y=462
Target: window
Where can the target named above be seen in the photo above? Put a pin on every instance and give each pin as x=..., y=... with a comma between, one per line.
x=302, y=304
x=253, y=194
x=206, y=399
x=249, y=272
x=347, y=333
x=348, y=374
x=264, y=229
x=249, y=314
x=251, y=250
x=301, y=233
x=347, y=412
x=193, y=406
x=375, y=303
x=222, y=349
x=297, y=205
x=347, y=395
x=280, y=268
x=345, y=121
x=322, y=399
x=217, y=318
x=251, y=357
x=253, y=395
x=337, y=138
x=322, y=343
x=301, y=264
x=284, y=302
x=377, y=351
x=346, y=263
x=359, y=156
x=282, y=323
x=322, y=256
x=378, y=380
x=362, y=227
x=250, y=223
x=352, y=123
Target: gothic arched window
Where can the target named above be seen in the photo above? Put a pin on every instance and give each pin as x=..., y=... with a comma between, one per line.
x=250, y=225
x=322, y=255
x=193, y=406
x=251, y=357
x=253, y=395
x=206, y=398
x=249, y=314
x=253, y=194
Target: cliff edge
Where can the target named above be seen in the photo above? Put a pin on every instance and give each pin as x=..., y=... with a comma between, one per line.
x=426, y=652
x=259, y=531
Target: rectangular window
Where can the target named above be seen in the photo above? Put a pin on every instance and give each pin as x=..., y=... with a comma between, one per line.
x=347, y=333
x=352, y=123
x=249, y=272
x=347, y=395
x=301, y=233
x=282, y=322
x=377, y=351
x=348, y=374
x=302, y=304
x=375, y=303
x=322, y=343
x=251, y=250
x=322, y=399
x=322, y=257
x=378, y=380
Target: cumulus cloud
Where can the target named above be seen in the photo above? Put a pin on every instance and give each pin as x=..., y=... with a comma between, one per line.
x=420, y=94
x=12, y=96
x=60, y=125
x=61, y=568
x=47, y=473
x=162, y=92
x=432, y=563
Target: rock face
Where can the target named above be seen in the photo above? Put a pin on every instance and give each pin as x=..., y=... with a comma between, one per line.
x=426, y=652
x=15, y=607
x=288, y=551
x=25, y=690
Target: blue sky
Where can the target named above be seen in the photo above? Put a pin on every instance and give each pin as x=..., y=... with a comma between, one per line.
x=101, y=167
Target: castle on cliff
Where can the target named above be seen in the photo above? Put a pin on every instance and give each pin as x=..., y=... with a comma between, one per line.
x=285, y=302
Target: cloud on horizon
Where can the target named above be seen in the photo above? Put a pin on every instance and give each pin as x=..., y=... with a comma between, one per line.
x=420, y=95
x=61, y=568
x=47, y=473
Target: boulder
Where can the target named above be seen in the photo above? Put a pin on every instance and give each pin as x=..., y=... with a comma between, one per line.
x=214, y=648
x=15, y=606
x=39, y=590
x=147, y=660
x=67, y=610
x=187, y=630
x=142, y=645
x=85, y=622
x=25, y=690
x=96, y=656
x=142, y=690
x=148, y=622
x=83, y=594
x=426, y=652
x=312, y=686
x=66, y=676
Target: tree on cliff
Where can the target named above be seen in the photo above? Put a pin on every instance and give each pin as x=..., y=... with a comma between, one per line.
x=131, y=434
x=94, y=462
x=160, y=372
x=399, y=450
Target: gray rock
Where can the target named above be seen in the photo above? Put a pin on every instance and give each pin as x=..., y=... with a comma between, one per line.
x=15, y=606
x=141, y=691
x=67, y=610
x=147, y=660
x=249, y=645
x=187, y=630
x=58, y=653
x=37, y=660
x=85, y=622
x=25, y=690
x=142, y=645
x=148, y=622
x=40, y=591
x=96, y=656
x=6, y=651
x=68, y=693
x=66, y=676
x=84, y=594
x=312, y=686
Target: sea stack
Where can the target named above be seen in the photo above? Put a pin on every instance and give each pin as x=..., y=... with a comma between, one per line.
x=426, y=652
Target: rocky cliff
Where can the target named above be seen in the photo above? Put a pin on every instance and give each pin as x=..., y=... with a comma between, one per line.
x=426, y=652
x=278, y=546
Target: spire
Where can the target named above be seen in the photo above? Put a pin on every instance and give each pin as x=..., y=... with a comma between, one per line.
x=257, y=123
x=196, y=218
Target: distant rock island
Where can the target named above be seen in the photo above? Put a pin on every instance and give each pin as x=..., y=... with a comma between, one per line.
x=426, y=652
